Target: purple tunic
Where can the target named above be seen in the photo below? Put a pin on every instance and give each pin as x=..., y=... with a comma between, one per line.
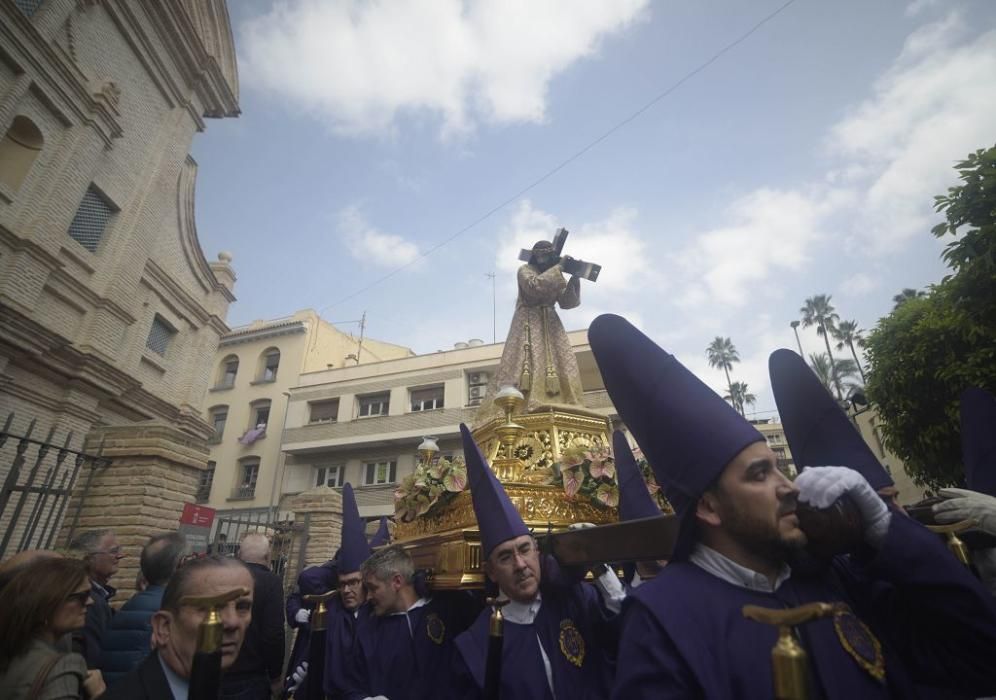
x=576, y=633
x=340, y=645
x=684, y=635
x=409, y=656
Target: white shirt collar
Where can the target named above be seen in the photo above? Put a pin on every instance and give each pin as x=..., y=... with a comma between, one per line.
x=728, y=570
x=417, y=604
x=521, y=613
x=179, y=686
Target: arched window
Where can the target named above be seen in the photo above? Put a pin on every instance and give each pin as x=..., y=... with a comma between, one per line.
x=269, y=363
x=217, y=417
x=20, y=146
x=227, y=372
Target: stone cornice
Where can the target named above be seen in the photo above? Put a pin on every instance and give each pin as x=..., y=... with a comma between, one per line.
x=164, y=285
x=249, y=335
x=187, y=226
x=55, y=78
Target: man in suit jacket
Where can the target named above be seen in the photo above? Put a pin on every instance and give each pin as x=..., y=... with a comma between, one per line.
x=165, y=673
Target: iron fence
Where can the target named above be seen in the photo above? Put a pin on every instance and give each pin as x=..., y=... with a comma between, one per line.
x=35, y=493
x=287, y=553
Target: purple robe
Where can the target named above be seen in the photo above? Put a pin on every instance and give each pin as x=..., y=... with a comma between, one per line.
x=684, y=635
x=340, y=645
x=566, y=617
x=409, y=656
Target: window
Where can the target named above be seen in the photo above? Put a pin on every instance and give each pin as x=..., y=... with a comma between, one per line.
x=427, y=399
x=229, y=370
x=247, y=481
x=260, y=413
x=330, y=476
x=20, y=146
x=323, y=411
x=28, y=7
x=219, y=416
x=91, y=219
x=204, y=486
x=374, y=405
x=271, y=362
x=380, y=473
x=160, y=336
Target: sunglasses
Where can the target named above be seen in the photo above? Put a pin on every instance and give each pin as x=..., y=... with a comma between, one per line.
x=79, y=596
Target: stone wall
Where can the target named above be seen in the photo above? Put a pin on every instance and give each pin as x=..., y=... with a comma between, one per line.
x=322, y=508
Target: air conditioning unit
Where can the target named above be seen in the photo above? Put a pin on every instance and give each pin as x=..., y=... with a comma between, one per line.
x=478, y=392
x=478, y=378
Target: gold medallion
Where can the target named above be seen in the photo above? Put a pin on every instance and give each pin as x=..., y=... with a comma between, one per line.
x=571, y=643
x=435, y=628
x=859, y=641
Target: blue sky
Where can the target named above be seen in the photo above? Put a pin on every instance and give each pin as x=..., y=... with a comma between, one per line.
x=802, y=161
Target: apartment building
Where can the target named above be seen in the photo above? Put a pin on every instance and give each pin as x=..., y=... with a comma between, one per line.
x=254, y=369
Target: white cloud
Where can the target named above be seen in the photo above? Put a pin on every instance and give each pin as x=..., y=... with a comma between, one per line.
x=932, y=108
x=859, y=284
x=360, y=65
x=371, y=245
x=614, y=243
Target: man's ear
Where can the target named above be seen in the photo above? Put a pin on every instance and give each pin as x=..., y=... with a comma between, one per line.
x=162, y=626
x=707, y=510
x=486, y=568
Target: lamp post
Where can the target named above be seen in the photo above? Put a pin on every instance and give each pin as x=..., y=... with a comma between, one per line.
x=509, y=399
x=795, y=329
x=427, y=449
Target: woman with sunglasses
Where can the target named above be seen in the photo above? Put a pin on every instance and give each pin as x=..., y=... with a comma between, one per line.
x=44, y=602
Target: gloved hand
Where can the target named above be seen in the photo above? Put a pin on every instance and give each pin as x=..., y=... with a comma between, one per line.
x=580, y=526
x=302, y=616
x=821, y=486
x=297, y=678
x=963, y=504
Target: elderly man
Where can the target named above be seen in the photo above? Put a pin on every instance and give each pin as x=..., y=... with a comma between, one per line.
x=405, y=650
x=102, y=554
x=165, y=673
x=258, y=672
x=685, y=635
x=126, y=641
x=558, y=641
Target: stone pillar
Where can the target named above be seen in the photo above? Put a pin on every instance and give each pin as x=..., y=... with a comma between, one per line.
x=321, y=508
x=154, y=469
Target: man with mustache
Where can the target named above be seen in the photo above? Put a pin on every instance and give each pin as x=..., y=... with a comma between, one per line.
x=906, y=614
x=165, y=673
x=558, y=633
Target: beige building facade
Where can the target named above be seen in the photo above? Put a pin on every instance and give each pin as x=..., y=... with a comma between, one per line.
x=254, y=369
x=109, y=310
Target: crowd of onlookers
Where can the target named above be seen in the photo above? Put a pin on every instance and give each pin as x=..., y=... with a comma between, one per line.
x=60, y=637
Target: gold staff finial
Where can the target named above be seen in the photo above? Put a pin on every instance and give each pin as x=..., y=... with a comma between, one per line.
x=317, y=621
x=790, y=672
x=209, y=632
x=955, y=543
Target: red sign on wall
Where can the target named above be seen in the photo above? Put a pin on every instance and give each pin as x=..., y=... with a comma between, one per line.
x=200, y=516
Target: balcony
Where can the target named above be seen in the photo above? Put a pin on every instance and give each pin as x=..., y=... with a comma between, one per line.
x=246, y=492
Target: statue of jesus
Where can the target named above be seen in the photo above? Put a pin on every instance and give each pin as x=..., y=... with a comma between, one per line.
x=538, y=358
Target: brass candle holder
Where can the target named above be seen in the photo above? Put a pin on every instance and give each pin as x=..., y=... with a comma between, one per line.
x=509, y=468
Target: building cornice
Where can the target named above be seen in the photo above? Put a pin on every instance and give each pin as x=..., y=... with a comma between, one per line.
x=187, y=224
x=238, y=336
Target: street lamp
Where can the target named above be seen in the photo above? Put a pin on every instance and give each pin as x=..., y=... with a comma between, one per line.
x=795, y=329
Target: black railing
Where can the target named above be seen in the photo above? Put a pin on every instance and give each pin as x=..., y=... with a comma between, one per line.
x=36, y=490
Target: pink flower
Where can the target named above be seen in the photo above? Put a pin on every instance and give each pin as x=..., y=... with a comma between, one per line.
x=456, y=480
x=607, y=494
x=602, y=466
x=572, y=482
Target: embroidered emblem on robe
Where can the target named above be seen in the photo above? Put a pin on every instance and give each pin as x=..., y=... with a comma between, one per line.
x=435, y=628
x=571, y=643
x=859, y=641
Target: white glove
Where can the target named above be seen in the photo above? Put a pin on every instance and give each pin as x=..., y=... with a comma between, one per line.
x=821, y=486
x=580, y=526
x=302, y=616
x=300, y=673
x=963, y=504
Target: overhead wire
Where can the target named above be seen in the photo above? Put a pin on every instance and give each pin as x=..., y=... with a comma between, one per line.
x=570, y=159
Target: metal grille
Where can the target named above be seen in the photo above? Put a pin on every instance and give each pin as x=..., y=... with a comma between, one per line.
x=159, y=336
x=91, y=218
x=28, y=7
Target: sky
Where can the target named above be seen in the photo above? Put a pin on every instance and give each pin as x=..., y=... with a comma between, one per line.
x=723, y=161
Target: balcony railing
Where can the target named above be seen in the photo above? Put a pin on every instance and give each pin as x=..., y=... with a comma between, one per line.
x=203, y=493
x=246, y=492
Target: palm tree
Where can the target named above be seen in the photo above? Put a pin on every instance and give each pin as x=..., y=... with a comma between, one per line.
x=907, y=294
x=740, y=397
x=842, y=370
x=819, y=312
x=847, y=333
x=722, y=353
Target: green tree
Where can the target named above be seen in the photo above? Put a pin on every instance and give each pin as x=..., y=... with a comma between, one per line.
x=844, y=370
x=907, y=294
x=722, y=353
x=847, y=333
x=740, y=397
x=930, y=349
x=819, y=312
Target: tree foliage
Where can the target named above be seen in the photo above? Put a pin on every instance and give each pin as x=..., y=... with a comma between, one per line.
x=931, y=348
